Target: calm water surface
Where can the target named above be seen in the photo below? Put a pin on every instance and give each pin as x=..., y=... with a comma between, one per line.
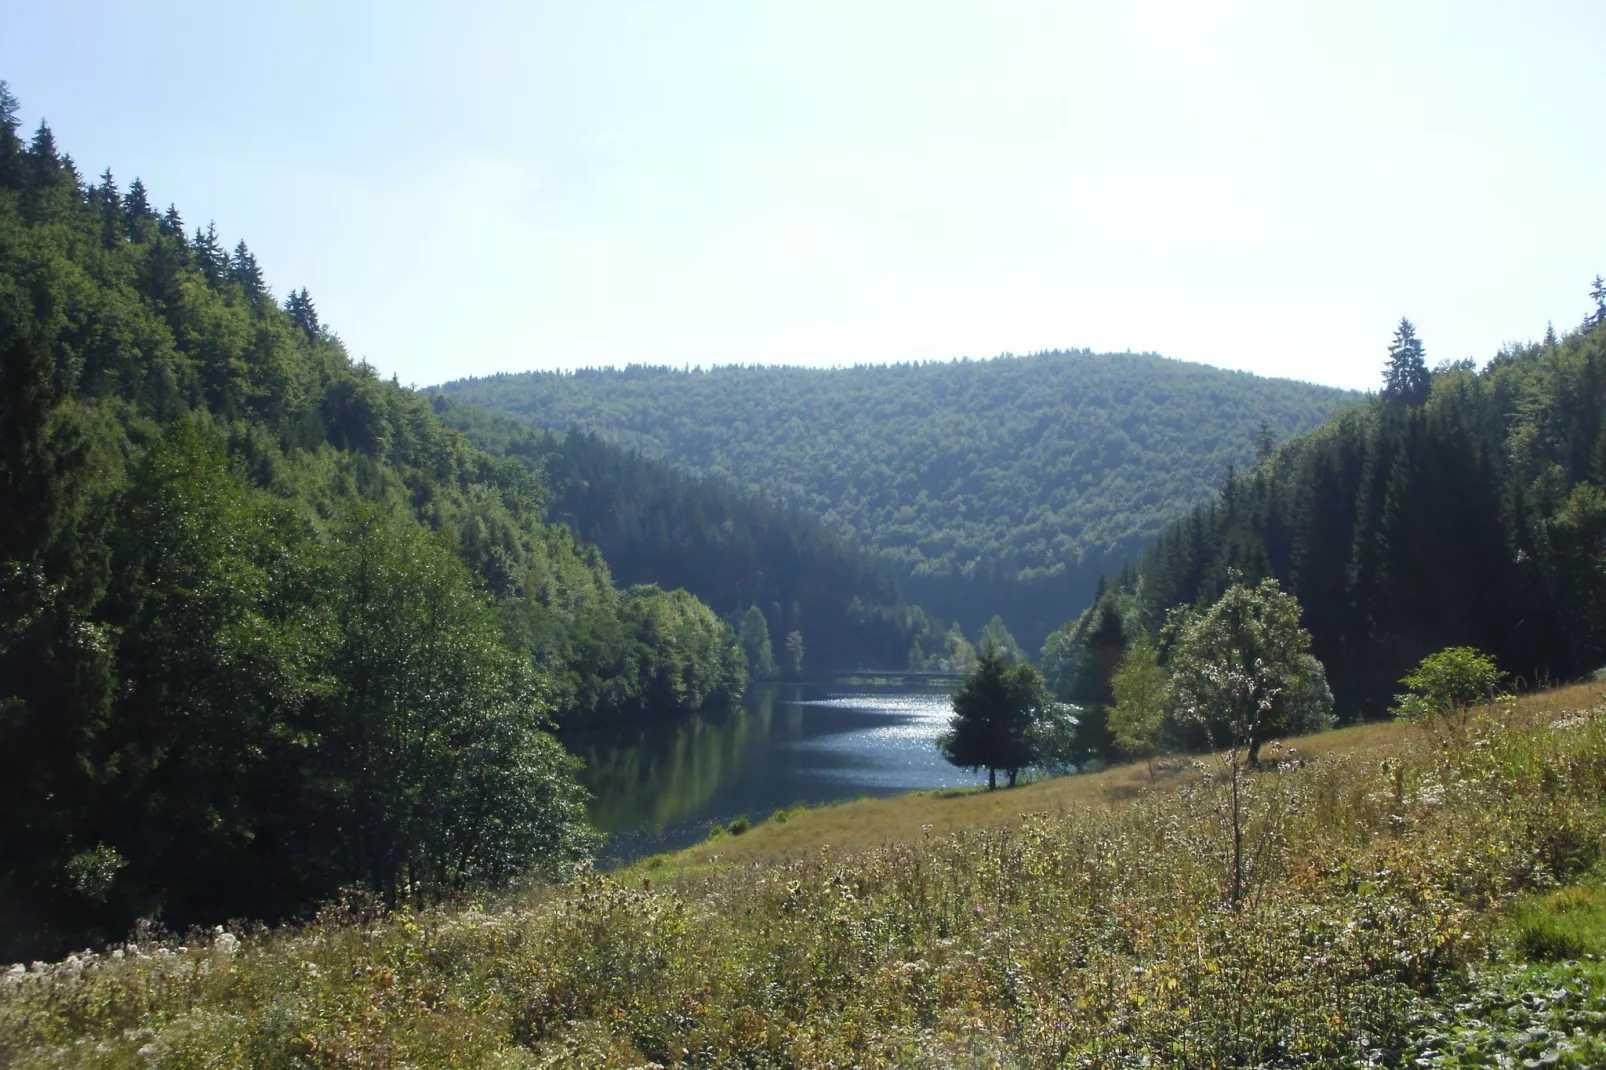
x=663, y=787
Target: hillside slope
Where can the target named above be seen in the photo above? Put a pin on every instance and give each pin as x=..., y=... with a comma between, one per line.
x=734, y=549
x=997, y=486
x=1471, y=512
x=1406, y=906
x=268, y=628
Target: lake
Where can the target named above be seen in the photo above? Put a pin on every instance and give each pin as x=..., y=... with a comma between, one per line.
x=661, y=787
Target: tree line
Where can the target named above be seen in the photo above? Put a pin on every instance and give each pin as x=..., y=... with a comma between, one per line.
x=804, y=597
x=1002, y=486
x=268, y=627
x=1456, y=508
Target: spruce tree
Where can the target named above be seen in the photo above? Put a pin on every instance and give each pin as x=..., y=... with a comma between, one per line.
x=172, y=224
x=302, y=313
x=1406, y=380
x=10, y=143
x=1597, y=294
x=209, y=254
x=136, y=210
x=243, y=269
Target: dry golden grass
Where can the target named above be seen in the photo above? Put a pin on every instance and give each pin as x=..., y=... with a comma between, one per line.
x=1101, y=930
x=869, y=823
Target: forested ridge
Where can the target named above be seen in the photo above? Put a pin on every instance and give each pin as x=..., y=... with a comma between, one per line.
x=1459, y=507
x=736, y=550
x=1000, y=486
x=267, y=626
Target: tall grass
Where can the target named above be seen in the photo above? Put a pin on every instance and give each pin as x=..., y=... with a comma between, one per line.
x=1102, y=935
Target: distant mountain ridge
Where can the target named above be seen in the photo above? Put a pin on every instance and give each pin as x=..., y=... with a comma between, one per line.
x=993, y=486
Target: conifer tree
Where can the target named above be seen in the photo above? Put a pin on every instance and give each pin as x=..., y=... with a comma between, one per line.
x=42, y=156
x=10, y=143
x=172, y=224
x=210, y=256
x=1406, y=380
x=1597, y=294
x=50, y=181
x=136, y=210
x=995, y=713
x=243, y=269
x=302, y=313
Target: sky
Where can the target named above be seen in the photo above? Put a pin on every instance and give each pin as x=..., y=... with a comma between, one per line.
x=471, y=188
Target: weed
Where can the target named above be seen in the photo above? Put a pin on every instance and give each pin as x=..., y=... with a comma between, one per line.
x=1082, y=931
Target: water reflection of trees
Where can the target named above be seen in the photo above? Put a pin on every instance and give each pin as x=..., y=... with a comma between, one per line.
x=661, y=773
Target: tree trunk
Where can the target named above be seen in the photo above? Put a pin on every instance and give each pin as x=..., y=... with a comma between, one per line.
x=992, y=778
x=1012, y=773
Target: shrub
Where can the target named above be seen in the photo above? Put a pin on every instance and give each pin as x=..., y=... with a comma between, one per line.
x=1444, y=686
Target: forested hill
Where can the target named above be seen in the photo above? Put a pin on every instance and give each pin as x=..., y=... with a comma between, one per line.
x=808, y=598
x=1458, y=507
x=995, y=486
x=268, y=627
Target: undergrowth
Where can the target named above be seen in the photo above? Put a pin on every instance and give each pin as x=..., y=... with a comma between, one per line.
x=1393, y=902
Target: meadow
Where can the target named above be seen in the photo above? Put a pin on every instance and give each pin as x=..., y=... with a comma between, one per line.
x=1408, y=899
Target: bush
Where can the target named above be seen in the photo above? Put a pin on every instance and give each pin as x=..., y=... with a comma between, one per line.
x=1446, y=684
x=739, y=826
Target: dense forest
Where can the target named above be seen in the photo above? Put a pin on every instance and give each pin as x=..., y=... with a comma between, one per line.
x=1458, y=508
x=1001, y=486
x=267, y=626
x=736, y=550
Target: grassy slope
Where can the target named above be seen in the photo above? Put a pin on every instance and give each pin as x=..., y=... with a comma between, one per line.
x=1405, y=899
x=869, y=823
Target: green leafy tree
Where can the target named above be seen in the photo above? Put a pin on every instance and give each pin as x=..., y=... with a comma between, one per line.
x=756, y=642
x=434, y=752
x=1445, y=686
x=996, y=713
x=958, y=655
x=1142, y=693
x=1242, y=671
x=794, y=652
x=995, y=637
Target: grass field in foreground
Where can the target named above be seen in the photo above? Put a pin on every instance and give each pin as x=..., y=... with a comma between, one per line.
x=1405, y=901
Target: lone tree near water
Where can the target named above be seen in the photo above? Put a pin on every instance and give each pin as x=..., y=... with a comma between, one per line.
x=997, y=712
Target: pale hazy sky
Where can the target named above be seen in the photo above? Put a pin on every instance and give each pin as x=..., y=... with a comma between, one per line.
x=477, y=187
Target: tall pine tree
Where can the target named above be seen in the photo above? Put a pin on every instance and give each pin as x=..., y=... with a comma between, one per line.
x=1406, y=379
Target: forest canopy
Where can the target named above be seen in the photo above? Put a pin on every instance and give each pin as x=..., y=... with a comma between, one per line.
x=268, y=627
x=999, y=486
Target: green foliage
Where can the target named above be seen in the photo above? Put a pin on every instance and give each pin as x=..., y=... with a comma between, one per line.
x=91, y=872
x=738, y=826
x=1142, y=694
x=1406, y=380
x=733, y=549
x=794, y=652
x=995, y=639
x=267, y=626
x=1092, y=935
x=993, y=487
x=1240, y=669
x=1443, y=685
x=1475, y=517
x=755, y=633
x=996, y=711
x=1539, y=1016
